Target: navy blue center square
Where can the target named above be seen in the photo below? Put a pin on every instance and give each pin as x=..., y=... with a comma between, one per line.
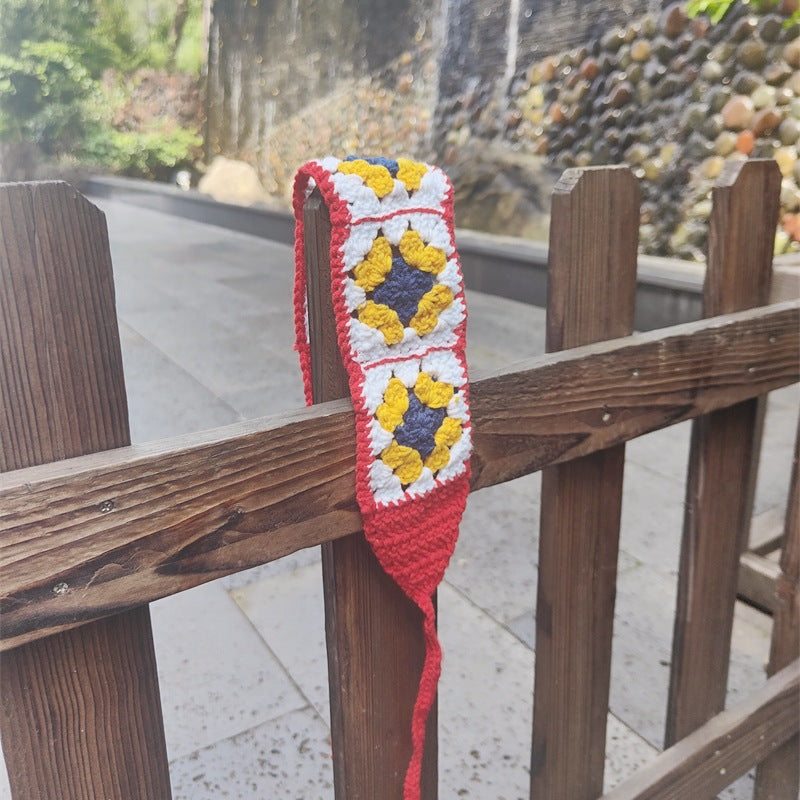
x=419, y=426
x=403, y=288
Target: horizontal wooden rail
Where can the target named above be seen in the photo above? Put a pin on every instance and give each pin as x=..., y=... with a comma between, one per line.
x=756, y=581
x=717, y=753
x=92, y=536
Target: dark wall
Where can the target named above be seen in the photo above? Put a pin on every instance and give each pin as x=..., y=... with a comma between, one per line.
x=549, y=26
x=270, y=58
x=478, y=36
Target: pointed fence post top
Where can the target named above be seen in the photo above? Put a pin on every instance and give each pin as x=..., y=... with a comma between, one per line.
x=57, y=293
x=594, y=237
x=590, y=178
x=741, y=241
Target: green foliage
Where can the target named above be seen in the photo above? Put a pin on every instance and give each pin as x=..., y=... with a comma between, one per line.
x=123, y=35
x=111, y=43
x=157, y=46
x=190, y=53
x=98, y=31
x=45, y=95
x=153, y=153
x=153, y=23
x=716, y=10
x=53, y=56
x=64, y=21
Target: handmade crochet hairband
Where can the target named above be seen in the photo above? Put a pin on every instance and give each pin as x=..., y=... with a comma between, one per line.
x=398, y=299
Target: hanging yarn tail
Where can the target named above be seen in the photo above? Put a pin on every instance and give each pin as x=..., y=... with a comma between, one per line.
x=431, y=668
x=413, y=543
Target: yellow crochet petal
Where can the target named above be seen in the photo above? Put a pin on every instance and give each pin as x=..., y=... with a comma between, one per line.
x=434, y=394
x=382, y=318
x=372, y=271
x=395, y=404
x=376, y=176
x=449, y=432
x=439, y=457
x=430, y=305
x=420, y=255
x=410, y=172
x=405, y=461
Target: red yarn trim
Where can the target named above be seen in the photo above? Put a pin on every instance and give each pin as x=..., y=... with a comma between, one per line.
x=384, y=217
x=413, y=539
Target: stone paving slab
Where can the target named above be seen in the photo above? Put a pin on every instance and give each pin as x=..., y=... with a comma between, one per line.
x=279, y=607
x=485, y=694
x=285, y=758
x=175, y=398
x=772, y=488
x=206, y=329
x=218, y=677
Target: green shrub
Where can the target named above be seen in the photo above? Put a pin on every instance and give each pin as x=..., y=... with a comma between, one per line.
x=45, y=96
x=190, y=52
x=56, y=96
x=154, y=153
x=716, y=10
x=66, y=21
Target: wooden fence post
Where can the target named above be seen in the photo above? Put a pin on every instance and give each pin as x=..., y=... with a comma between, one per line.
x=81, y=711
x=723, y=448
x=374, y=632
x=778, y=776
x=591, y=297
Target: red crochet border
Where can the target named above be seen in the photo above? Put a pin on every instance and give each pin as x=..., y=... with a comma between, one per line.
x=396, y=530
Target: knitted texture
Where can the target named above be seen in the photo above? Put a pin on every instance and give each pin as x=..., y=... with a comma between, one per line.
x=398, y=299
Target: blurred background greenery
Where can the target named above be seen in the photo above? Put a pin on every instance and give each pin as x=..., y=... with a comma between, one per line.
x=112, y=84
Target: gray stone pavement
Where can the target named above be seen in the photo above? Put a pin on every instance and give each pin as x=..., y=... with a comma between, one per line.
x=205, y=321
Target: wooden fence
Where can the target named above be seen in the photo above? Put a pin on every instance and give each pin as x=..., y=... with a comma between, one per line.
x=93, y=529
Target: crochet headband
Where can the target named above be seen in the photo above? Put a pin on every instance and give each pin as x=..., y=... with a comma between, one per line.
x=398, y=299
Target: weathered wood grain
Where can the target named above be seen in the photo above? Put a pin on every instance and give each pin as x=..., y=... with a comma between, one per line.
x=122, y=528
x=723, y=454
x=725, y=747
x=373, y=631
x=81, y=710
x=778, y=776
x=591, y=297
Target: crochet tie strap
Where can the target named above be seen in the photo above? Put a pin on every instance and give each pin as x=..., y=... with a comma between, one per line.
x=398, y=301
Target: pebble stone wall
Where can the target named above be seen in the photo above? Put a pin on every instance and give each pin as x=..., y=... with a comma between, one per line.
x=675, y=98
